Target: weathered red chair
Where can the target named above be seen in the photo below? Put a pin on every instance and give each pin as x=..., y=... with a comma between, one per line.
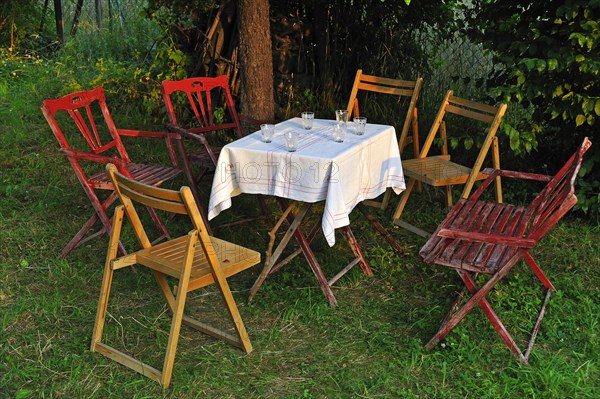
x=202, y=110
x=100, y=143
x=479, y=237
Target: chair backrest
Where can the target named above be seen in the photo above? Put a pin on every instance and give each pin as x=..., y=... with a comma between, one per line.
x=198, y=100
x=96, y=128
x=558, y=197
x=451, y=104
x=396, y=87
x=181, y=202
x=489, y=115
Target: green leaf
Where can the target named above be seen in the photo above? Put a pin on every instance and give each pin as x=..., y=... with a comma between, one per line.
x=514, y=144
x=529, y=63
x=558, y=91
x=580, y=120
x=579, y=58
x=587, y=106
x=468, y=143
x=597, y=107
x=552, y=64
x=541, y=65
x=453, y=142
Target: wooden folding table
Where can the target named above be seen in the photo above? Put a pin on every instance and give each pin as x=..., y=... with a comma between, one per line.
x=341, y=174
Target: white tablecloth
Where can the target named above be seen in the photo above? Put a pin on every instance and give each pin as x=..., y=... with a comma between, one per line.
x=342, y=174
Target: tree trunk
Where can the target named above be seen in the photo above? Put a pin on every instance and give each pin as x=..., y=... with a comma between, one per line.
x=256, y=60
x=60, y=20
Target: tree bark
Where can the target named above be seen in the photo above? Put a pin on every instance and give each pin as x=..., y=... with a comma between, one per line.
x=256, y=60
x=60, y=20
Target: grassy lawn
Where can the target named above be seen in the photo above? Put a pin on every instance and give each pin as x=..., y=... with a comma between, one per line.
x=371, y=345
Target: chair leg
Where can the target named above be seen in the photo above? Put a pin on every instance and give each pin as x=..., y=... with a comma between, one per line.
x=113, y=247
x=187, y=171
x=100, y=214
x=234, y=313
x=477, y=298
x=178, y=307
x=538, y=271
x=403, y=200
x=449, y=196
x=493, y=318
x=167, y=370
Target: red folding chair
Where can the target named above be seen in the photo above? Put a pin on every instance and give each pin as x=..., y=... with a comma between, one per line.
x=202, y=110
x=99, y=142
x=479, y=237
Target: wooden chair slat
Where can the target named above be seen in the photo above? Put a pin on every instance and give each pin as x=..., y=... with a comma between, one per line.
x=482, y=220
x=490, y=109
x=409, y=84
x=397, y=91
x=156, y=203
x=470, y=114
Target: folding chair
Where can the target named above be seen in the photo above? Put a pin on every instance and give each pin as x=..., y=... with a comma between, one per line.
x=100, y=142
x=195, y=260
x=364, y=84
x=479, y=237
x=439, y=170
x=201, y=107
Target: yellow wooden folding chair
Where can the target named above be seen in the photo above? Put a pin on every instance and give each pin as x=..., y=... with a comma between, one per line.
x=400, y=88
x=439, y=170
x=195, y=260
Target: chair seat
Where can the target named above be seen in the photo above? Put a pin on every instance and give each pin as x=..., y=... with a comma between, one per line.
x=168, y=258
x=437, y=171
x=153, y=175
x=203, y=159
x=477, y=217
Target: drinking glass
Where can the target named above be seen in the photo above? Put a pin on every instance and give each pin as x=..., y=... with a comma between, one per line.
x=307, y=119
x=267, y=131
x=360, y=124
x=291, y=141
x=341, y=116
x=339, y=132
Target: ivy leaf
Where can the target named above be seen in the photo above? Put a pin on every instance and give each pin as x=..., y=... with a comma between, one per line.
x=529, y=63
x=587, y=106
x=468, y=143
x=453, y=142
x=558, y=91
x=541, y=65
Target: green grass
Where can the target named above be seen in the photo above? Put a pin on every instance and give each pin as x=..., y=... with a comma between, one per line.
x=371, y=345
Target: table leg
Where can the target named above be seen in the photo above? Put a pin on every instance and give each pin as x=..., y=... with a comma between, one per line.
x=272, y=258
x=304, y=241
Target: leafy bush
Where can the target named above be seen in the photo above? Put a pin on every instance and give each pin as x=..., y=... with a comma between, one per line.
x=551, y=61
